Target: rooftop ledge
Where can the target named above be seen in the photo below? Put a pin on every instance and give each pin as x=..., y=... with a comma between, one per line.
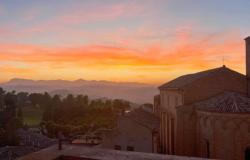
x=93, y=153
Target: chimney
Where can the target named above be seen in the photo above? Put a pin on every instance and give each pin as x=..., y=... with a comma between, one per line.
x=247, y=40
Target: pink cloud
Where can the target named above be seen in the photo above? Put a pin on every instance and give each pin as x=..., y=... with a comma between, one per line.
x=59, y=27
x=31, y=13
x=2, y=10
x=79, y=15
x=100, y=13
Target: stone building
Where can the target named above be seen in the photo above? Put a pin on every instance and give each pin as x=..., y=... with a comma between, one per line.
x=137, y=131
x=206, y=114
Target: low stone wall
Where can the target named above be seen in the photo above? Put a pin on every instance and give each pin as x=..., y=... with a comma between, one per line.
x=81, y=152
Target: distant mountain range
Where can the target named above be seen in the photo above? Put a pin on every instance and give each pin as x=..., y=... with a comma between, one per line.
x=134, y=92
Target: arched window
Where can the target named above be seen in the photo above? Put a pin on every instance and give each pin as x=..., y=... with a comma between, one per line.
x=117, y=147
x=247, y=153
x=206, y=149
x=172, y=128
x=130, y=148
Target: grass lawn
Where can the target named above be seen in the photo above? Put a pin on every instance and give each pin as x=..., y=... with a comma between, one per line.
x=32, y=116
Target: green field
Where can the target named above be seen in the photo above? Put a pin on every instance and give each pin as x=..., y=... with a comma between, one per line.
x=32, y=116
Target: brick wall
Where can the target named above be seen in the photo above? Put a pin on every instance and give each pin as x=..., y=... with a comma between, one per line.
x=228, y=135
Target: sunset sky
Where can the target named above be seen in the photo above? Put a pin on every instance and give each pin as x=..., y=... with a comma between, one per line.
x=150, y=41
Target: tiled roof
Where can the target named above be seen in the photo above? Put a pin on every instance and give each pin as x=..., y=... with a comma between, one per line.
x=247, y=38
x=230, y=102
x=144, y=118
x=191, y=78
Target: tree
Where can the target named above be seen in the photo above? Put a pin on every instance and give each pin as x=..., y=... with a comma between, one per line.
x=22, y=98
x=9, y=120
x=35, y=98
x=80, y=114
x=120, y=106
x=20, y=115
x=2, y=92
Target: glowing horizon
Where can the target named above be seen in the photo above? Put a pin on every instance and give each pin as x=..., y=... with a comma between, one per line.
x=136, y=41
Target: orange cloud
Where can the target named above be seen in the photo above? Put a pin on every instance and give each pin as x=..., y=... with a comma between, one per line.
x=15, y=70
x=154, y=63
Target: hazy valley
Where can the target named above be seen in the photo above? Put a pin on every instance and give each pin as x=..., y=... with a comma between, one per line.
x=134, y=92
